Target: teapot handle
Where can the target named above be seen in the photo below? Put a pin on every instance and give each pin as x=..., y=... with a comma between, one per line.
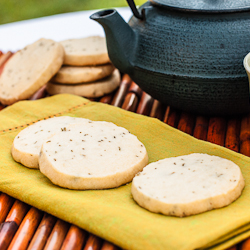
x=134, y=9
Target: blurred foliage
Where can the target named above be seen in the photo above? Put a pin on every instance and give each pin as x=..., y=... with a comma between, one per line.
x=17, y=10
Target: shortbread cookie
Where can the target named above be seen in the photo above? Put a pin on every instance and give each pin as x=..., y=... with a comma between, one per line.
x=27, y=144
x=97, y=155
x=89, y=90
x=29, y=69
x=86, y=51
x=85, y=74
x=187, y=185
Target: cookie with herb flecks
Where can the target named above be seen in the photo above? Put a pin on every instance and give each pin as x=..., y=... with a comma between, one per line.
x=27, y=144
x=82, y=74
x=187, y=185
x=98, y=155
x=85, y=51
x=29, y=69
x=90, y=90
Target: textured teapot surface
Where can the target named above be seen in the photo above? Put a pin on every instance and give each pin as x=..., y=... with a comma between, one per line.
x=193, y=60
x=192, y=44
x=187, y=58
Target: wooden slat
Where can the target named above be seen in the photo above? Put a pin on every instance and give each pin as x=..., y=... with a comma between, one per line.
x=201, y=127
x=134, y=88
x=145, y=104
x=245, y=136
x=93, y=243
x=75, y=239
x=107, y=99
x=41, y=93
x=171, y=117
x=7, y=232
x=12, y=222
x=122, y=91
x=166, y=114
x=26, y=230
x=3, y=59
x=186, y=123
x=6, y=203
x=245, y=245
x=217, y=130
x=232, y=248
x=42, y=233
x=2, y=106
x=132, y=98
x=131, y=101
x=109, y=246
x=232, y=135
x=17, y=212
x=245, y=148
x=57, y=235
x=158, y=110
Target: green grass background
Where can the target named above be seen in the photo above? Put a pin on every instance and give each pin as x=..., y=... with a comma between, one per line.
x=17, y=10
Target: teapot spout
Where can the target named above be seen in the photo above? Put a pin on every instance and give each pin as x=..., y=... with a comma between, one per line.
x=120, y=38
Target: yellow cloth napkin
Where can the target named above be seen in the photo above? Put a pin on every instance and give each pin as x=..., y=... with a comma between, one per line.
x=112, y=214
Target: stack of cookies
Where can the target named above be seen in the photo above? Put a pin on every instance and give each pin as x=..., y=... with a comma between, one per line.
x=89, y=72
x=86, y=71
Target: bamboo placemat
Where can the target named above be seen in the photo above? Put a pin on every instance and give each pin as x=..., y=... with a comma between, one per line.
x=25, y=227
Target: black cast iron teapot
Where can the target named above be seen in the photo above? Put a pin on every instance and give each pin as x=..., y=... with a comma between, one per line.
x=188, y=54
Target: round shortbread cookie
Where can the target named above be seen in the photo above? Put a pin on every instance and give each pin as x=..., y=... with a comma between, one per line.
x=89, y=90
x=29, y=69
x=85, y=51
x=186, y=185
x=98, y=155
x=85, y=74
x=27, y=144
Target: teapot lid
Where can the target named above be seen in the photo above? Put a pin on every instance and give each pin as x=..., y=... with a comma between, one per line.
x=205, y=5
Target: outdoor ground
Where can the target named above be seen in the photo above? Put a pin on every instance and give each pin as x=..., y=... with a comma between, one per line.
x=17, y=10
